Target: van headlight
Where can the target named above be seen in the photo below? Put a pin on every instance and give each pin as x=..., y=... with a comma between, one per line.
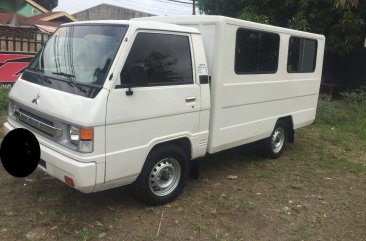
x=82, y=138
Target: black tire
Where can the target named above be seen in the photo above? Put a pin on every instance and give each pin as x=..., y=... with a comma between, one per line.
x=149, y=187
x=276, y=143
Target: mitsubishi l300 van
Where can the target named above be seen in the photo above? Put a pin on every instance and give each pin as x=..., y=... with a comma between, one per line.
x=119, y=102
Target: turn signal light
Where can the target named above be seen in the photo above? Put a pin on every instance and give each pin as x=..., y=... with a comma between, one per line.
x=86, y=134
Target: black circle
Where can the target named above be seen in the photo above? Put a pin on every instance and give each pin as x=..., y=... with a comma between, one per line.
x=20, y=152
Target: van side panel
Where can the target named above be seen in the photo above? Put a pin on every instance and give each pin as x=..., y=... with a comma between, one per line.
x=247, y=106
x=208, y=31
x=199, y=149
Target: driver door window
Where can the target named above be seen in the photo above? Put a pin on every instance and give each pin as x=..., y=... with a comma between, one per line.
x=157, y=59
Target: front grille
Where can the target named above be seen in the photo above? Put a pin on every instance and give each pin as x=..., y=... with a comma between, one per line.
x=50, y=123
x=38, y=123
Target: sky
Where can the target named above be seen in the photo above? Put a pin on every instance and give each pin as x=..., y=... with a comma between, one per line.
x=157, y=7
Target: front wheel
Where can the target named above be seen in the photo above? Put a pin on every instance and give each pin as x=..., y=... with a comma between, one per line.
x=163, y=176
x=276, y=143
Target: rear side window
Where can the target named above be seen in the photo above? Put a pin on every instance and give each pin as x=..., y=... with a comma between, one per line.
x=301, y=55
x=158, y=59
x=256, y=52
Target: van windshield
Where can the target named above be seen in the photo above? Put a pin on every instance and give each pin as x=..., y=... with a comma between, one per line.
x=79, y=54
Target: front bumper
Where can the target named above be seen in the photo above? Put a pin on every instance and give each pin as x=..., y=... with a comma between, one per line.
x=59, y=166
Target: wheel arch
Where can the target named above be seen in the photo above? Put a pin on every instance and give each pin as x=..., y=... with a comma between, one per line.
x=184, y=143
x=288, y=120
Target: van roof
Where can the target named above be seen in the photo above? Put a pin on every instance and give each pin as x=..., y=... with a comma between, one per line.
x=214, y=19
x=146, y=24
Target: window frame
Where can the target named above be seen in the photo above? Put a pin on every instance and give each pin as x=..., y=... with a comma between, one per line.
x=236, y=47
x=162, y=32
x=315, y=55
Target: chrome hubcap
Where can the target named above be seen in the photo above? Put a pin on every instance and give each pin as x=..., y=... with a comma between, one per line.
x=164, y=177
x=278, y=139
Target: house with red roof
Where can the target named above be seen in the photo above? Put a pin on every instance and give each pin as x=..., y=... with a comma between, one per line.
x=36, y=13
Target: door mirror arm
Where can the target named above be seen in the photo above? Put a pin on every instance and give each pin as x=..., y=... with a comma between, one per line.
x=129, y=92
x=134, y=76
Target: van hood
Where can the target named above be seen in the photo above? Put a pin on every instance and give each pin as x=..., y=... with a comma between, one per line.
x=66, y=107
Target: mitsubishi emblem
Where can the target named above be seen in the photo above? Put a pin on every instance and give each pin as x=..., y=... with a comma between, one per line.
x=36, y=100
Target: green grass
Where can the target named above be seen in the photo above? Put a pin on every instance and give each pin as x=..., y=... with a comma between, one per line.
x=315, y=191
x=4, y=101
x=342, y=125
x=83, y=234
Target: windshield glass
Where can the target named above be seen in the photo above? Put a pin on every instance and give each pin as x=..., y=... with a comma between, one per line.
x=80, y=53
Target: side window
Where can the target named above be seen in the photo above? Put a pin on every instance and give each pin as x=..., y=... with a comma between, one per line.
x=158, y=59
x=256, y=52
x=301, y=55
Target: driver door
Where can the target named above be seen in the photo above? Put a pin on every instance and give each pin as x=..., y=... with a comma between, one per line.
x=157, y=100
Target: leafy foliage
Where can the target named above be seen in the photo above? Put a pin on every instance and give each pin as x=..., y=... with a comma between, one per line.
x=48, y=4
x=341, y=21
x=231, y=8
x=355, y=97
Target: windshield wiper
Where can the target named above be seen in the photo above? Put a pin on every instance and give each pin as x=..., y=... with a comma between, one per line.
x=71, y=82
x=64, y=74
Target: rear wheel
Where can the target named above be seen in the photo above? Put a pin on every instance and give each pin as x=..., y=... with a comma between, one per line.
x=163, y=176
x=276, y=143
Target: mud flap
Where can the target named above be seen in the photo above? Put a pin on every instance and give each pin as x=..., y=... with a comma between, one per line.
x=194, y=169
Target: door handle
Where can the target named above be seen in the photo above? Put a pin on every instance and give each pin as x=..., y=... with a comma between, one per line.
x=190, y=99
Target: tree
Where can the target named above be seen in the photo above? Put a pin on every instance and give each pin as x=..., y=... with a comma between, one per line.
x=230, y=8
x=48, y=4
x=341, y=21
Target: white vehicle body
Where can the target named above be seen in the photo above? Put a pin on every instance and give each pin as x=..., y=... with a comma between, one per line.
x=245, y=108
x=232, y=110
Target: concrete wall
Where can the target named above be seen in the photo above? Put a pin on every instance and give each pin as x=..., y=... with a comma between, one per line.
x=106, y=11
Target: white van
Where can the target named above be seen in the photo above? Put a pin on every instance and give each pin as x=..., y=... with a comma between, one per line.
x=119, y=102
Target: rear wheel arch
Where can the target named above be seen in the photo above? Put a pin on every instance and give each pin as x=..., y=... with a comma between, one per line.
x=288, y=120
x=282, y=132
